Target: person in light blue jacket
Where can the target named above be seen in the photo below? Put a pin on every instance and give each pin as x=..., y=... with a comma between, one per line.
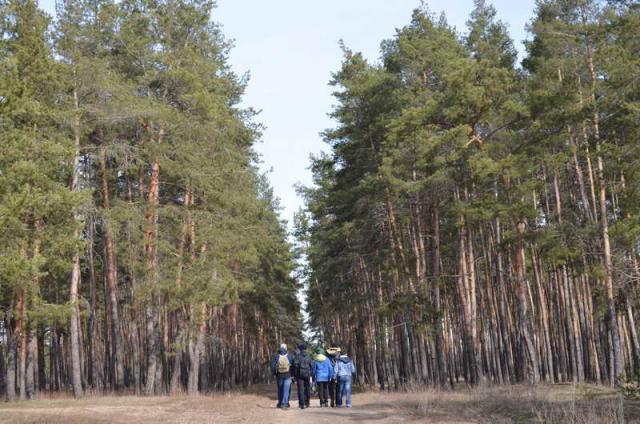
x=322, y=374
x=343, y=371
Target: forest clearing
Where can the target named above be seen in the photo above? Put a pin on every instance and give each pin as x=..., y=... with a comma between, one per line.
x=497, y=405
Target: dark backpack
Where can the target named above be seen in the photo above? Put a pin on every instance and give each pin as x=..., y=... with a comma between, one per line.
x=305, y=363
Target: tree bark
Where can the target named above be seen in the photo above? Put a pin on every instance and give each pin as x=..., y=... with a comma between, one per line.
x=111, y=279
x=153, y=336
x=10, y=371
x=74, y=285
x=435, y=266
x=32, y=357
x=22, y=343
x=617, y=367
x=195, y=350
x=526, y=324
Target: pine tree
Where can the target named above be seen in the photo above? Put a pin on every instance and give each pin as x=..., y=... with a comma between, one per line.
x=138, y=106
x=461, y=197
x=36, y=201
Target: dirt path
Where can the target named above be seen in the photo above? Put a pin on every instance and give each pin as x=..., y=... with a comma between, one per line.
x=258, y=406
x=483, y=405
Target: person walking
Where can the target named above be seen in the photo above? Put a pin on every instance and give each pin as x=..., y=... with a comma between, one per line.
x=303, y=369
x=343, y=372
x=322, y=374
x=333, y=352
x=281, y=368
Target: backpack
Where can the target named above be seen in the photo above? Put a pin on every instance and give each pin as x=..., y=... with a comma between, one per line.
x=283, y=364
x=305, y=363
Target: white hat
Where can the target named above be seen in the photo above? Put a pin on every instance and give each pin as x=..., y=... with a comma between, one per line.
x=283, y=346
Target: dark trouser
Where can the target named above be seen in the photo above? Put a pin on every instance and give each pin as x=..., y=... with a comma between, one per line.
x=304, y=386
x=333, y=392
x=323, y=392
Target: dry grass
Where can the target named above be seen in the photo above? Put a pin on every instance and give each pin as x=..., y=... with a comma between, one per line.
x=545, y=404
x=560, y=404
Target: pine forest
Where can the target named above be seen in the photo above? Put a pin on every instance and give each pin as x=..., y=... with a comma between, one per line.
x=141, y=249
x=474, y=218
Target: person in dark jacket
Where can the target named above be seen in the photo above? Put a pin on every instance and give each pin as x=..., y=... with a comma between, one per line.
x=281, y=367
x=344, y=371
x=333, y=352
x=303, y=370
x=322, y=374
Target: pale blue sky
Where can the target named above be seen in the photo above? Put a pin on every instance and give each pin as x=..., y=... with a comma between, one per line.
x=291, y=47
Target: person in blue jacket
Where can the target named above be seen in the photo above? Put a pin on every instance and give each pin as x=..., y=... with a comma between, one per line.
x=322, y=374
x=281, y=369
x=344, y=371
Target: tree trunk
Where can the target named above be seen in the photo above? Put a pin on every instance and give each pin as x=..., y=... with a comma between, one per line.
x=32, y=357
x=22, y=343
x=10, y=371
x=111, y=279
x=91, y=338
x=526, y=324
x=42, y=377
x=195, y=350
x=153, y=336
x=440, y=362
x=74, y=285
x=74, y=333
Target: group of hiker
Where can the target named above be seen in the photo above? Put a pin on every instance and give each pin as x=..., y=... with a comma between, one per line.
x=331, y=371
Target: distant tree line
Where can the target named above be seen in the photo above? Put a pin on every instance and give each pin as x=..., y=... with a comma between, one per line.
x=140, y=248
x=478, y=221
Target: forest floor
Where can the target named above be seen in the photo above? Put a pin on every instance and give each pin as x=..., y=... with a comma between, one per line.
x=505, y=404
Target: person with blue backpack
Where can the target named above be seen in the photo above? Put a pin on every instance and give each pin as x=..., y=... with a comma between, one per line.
x=281, y=367
x=322, y=374
x=343, y=371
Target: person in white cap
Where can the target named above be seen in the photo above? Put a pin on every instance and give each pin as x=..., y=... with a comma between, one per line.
x=281, y=369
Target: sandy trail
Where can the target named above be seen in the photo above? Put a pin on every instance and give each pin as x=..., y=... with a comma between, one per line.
x=257, y=406
x=483, y=405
